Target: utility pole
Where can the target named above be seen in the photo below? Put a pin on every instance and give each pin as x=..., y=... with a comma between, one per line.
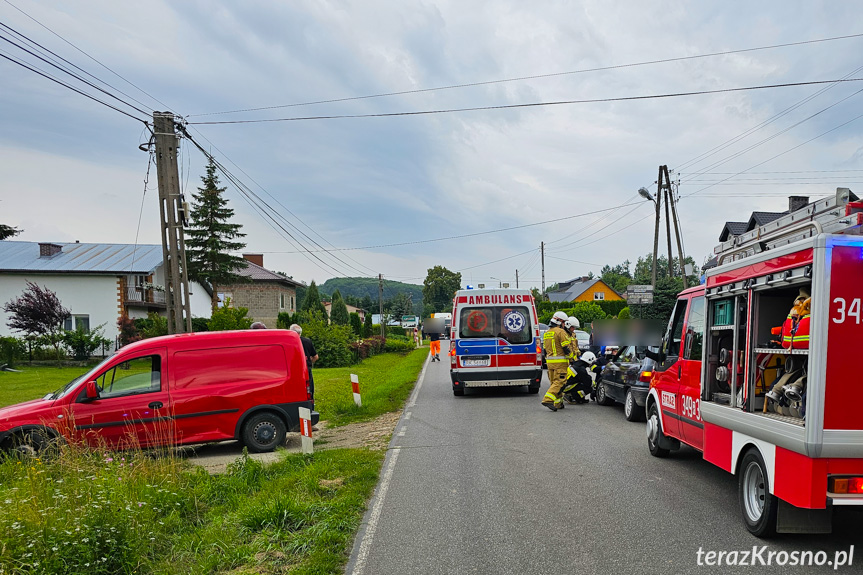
x=170, y=207
x=516, y=279
x=677, y=235
x=542, y=252
x=656, y=227
x=381, y=305
x=668, y=231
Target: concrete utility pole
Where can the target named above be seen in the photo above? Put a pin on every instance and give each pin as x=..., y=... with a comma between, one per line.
x=542, y=251
x=381, y=305
x=656, y=227
x=516, y=279
x=170, y=208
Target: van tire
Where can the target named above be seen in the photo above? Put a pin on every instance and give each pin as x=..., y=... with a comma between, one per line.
x=264, y=432
x=653, y=443
x=757, y=504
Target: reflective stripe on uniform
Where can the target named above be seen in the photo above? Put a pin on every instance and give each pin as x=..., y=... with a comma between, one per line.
x=550, y=396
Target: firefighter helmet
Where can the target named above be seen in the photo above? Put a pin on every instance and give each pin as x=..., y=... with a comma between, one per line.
x=572, y=323
x=588, y=357
x=558, y=318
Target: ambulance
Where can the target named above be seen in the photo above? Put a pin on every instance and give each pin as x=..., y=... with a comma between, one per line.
x=760, y=368
x=494, y=340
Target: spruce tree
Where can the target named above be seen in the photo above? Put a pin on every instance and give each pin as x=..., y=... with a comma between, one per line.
x=338, y=310
x=211, y=237
x=312, y=303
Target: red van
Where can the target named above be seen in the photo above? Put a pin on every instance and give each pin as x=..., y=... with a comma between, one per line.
x=176, y=389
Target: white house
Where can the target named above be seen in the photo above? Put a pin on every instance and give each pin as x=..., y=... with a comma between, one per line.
x=98, y=283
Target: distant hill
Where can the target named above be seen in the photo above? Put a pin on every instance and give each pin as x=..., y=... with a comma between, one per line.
x=368, y=287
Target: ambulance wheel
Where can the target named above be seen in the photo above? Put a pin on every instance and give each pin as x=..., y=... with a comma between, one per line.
x=458, y=391
x=756, y=502
x=601, y=397
x=264, y=432
x=533, y=389
x=630, y=408
x=654, y=432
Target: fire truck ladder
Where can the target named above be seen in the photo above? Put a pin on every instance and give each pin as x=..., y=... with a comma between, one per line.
x=839, y=214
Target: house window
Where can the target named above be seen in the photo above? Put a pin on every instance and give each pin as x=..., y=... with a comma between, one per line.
x=281, y=301
x=76, y=322
x=292, y=304
x=598, y=295
x=224, y=297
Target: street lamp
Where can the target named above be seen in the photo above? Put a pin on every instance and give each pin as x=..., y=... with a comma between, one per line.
x=499, y=281
x=648, y=196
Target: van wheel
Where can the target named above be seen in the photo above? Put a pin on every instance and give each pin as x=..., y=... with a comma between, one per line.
x=601, y=397
x=757, y=504
x=654, y=432
x=630, y=408
x=264, y=432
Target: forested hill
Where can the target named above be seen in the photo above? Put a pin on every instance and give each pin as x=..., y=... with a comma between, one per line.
x=361, y=287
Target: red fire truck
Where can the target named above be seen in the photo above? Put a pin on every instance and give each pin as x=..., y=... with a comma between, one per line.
x=769, y=394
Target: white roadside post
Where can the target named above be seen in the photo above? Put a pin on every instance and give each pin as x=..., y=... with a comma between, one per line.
x=306, y=429
x=355, y=384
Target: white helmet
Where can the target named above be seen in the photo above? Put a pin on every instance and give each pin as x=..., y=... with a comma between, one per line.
x=588, y=358
x=572, y=323
x=559, y=318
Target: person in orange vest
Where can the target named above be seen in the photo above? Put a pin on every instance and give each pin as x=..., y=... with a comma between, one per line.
x=557, y=346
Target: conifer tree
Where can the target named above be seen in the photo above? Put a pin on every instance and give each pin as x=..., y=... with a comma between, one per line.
x=338, y=310
x=312, y=302
x=211, y=237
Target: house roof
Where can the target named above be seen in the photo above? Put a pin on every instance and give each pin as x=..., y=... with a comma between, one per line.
x=575, y=289
x=257, y=273
x=758, y=219
x=733, y=229
x=76, y=258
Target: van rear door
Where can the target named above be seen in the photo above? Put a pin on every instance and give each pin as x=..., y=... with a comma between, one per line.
x=516, y=348
x=476, y=342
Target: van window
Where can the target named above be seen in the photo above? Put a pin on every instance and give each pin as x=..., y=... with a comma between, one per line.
x=229, y=365
x=674, y=335
x=139, y=375
x=509, y=323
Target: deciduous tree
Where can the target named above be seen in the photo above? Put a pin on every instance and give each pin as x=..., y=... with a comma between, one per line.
x=38, y=312
x=439, y=287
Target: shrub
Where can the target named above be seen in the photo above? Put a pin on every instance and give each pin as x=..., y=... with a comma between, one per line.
x=285, y=320
x=332, y=343
x=623, y=314
x=393, y=344
x=200, y=324
x=395, y=330
x=612, y=307
x=129, y=332
x=368, y=328
x=81, y=343
x=228, y=318
x=153, y=325
x=585, y=311
x=12, y=350
x=356, y=324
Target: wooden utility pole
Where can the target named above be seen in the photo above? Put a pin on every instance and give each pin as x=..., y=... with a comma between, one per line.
x=381, y=305
x=170, y=208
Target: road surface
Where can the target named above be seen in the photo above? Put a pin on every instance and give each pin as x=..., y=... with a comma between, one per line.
x=494, y=483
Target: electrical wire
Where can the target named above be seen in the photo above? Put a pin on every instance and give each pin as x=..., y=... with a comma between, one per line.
x=150, y=161
x=91, y=57
x=532, y=77
x=530, y=104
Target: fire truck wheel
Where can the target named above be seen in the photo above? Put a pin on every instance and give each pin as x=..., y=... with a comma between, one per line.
x=601, y=397
x=654, y=431
x=630, y=408
x=756, y=502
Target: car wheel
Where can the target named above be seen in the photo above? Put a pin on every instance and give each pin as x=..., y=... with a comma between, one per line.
x=601, y=397
x=756, y=502
x=654, y=432
x=458, y=391
x=30, y=443
x=630, y=408
x=264, y=432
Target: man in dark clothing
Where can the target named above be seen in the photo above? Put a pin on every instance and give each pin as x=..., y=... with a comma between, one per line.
x=311, y=356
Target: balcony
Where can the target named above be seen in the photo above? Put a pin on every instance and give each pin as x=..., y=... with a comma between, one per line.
x=144, y=296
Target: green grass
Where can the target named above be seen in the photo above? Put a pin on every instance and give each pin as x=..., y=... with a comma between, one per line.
x=386, y=381
x=35, y=382
x=95, y=513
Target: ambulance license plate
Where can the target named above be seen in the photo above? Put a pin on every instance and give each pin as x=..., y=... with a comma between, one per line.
x=476, y=361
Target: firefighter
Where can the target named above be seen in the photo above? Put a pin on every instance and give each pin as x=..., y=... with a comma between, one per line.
x=557, y=348
x=579, y=382
x=571, y=325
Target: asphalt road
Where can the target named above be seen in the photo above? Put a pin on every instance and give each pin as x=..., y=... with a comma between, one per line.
x=493, y=482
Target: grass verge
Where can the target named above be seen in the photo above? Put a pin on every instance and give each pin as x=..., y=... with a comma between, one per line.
x=95, y=513
x=35, y=382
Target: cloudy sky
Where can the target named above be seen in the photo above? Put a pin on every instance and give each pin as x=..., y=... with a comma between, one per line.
x=70, y=168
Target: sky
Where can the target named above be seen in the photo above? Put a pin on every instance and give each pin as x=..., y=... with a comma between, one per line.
x=71, y=169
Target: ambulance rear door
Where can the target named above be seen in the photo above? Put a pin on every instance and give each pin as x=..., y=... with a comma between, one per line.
x=516, y=347
x=476, y=344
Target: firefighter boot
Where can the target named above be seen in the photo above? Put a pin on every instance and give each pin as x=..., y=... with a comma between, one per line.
x=549, y=401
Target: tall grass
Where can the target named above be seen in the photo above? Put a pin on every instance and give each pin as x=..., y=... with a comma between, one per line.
x=101, y=513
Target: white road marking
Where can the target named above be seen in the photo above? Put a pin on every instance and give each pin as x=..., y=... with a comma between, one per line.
x=413, y=399
x=375, y=515
x=407, y=415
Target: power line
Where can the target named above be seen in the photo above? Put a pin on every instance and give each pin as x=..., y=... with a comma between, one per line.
x=533, y=77
x=529, y=105
x=89, y=56
x=496, y=261
x=7, y=56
